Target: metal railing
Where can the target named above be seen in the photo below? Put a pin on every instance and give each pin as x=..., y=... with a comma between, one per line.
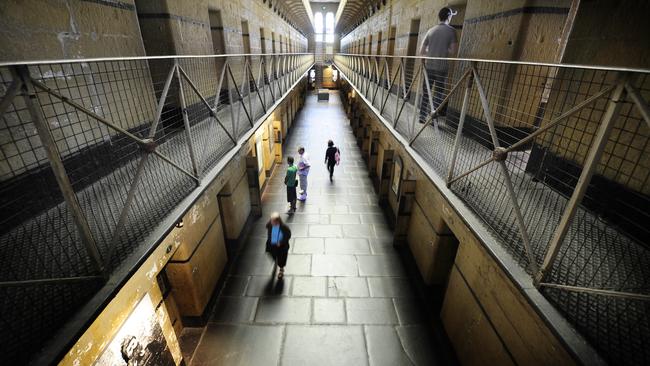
x=555, y=159
x=96, y=152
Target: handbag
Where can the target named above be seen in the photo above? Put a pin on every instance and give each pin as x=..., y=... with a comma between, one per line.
x=337, y=156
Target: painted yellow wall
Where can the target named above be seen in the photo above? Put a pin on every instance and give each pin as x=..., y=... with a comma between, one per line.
x=100, y=333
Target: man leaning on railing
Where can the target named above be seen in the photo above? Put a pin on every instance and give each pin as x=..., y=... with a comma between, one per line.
x=440, y=41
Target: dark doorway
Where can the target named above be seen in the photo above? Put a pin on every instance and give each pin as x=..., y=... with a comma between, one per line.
x=219, y=48
x=411, y=50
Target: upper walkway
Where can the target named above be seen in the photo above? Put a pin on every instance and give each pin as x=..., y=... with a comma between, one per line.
x=346, y=298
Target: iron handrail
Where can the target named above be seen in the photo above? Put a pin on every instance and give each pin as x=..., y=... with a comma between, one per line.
x=508, y=62
x=145, y=58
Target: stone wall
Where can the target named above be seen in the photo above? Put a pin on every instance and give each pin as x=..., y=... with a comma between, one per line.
x=124, y=92
x=525, y=97
x=502, y=30
x=42, y=30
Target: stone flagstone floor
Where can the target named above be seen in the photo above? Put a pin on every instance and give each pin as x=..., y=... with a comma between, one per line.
x=345, y=299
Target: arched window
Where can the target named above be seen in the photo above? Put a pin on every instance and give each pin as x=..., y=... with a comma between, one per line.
x=329, y=27
x=329, y=23
x=324, y=31
x=318, y=22
x=318, y=26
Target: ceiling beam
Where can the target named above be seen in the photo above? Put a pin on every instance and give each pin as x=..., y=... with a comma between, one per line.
x=310, y=13
x=339, y=11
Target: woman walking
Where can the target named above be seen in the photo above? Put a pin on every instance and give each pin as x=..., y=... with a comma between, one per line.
x=277, y=242
x=332, y=157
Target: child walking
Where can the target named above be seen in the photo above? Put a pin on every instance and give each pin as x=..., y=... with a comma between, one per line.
x=291, y=183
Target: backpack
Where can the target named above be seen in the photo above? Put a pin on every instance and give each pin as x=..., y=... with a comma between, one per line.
x=337, y=156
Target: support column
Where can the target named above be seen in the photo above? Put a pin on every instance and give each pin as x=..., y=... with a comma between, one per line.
x=406, y=200
x=254, y=189
x=373, y=152
x=385, y=175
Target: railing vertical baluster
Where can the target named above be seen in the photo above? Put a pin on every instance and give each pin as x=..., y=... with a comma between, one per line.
x=260, y=78
x=427, y=84
x=247, y=71
x=401, y=84
x=416, y=102
x=369, y=83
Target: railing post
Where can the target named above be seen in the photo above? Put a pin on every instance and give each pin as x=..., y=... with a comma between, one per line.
x=241, y=98
x=459, y=130
x=260, y=77
x=390, y=87
x=268, y=71
x=186, y=122
x=416, y=102
x=235, y=129
x=247, y=71
x=401, y=83
x=10, y=94
x=427, y=83
x=500, y=157
x=380, y=76
x=641, y=104
x=54, y=157
x=406, y=97
x=369, y=75
x=386, y=87
x=590, y=164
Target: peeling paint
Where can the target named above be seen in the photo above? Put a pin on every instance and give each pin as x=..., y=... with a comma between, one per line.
x=72, y=35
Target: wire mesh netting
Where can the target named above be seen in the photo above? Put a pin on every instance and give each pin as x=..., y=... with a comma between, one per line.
x=134, y=138
x=606, y=246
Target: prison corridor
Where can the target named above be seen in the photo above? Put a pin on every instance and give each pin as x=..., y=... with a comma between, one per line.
x=345, y=298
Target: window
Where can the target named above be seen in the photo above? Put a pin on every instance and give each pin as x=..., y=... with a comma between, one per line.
x=324, y=32
x=329, y=23
x=318, y=23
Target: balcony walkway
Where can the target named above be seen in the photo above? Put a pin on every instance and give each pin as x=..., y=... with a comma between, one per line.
x=345, y=299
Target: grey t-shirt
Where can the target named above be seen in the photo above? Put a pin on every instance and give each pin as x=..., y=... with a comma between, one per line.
x=436, y=44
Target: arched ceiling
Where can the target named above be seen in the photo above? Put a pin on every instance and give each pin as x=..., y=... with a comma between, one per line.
x=295, y=12
x=350, y=14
